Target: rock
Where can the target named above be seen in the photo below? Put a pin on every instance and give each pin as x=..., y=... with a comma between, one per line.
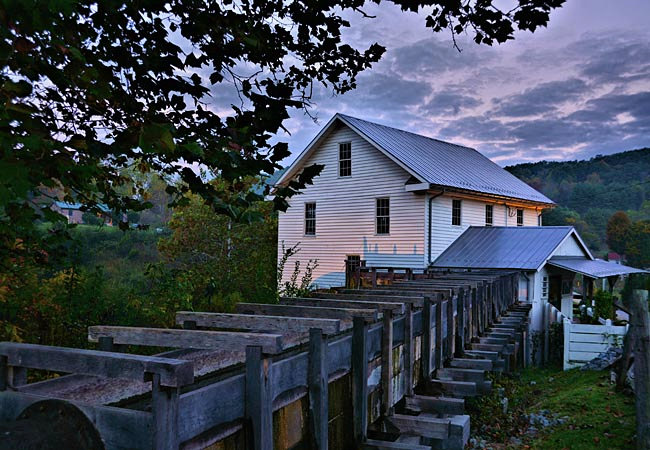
x=533, y=383
x=604, y=360
x=551, y=379
x=504, y=405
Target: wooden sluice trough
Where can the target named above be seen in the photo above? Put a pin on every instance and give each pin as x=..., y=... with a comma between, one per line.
x=383, y=367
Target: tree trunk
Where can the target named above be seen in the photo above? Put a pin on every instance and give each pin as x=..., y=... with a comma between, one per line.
x=640, y=329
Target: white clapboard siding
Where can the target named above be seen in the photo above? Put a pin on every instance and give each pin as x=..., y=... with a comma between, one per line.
x=582, y=342
x=443, y=233
x=345, y=213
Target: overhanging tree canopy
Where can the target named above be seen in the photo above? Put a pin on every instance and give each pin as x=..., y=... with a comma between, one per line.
x=88, y=88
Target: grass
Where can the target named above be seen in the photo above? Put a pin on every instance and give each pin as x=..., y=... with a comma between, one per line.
x=599, y=417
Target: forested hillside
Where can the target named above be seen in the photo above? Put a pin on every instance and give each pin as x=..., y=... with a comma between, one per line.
x=588, y=192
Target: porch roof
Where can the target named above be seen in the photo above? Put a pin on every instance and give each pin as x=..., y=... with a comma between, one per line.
x=594, y=268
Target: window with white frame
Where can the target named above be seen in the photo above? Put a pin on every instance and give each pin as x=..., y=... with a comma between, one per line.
x=545, y=287
x=310, y=219
x=345, y=159
x=383, y=216
x=489, y=215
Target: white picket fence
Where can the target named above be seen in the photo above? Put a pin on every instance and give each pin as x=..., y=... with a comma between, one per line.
x=582, y=342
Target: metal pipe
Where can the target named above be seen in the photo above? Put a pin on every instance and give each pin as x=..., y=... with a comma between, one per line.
x=431, y=199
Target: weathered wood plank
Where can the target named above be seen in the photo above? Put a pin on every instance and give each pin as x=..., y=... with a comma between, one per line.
x=409, y=350
x=317, y=385
x=259, y=401
x=373, y=444
x=417, y=301
x=359, y=378
x=306, y=311
x=455, y=388
x=387, y=364
x=427, y=348
x=457, y=374
x=435, y=405
x=164, y=407
x=197, y=339
x=461, y=363
x=428, y=427
x=397, y=308
x=173, y=372
x=258, y=322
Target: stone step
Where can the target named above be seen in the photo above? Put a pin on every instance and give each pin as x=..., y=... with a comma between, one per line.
x=467, y=363
x=457, y=374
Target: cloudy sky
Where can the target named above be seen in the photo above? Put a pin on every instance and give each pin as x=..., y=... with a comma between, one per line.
x=579, y=88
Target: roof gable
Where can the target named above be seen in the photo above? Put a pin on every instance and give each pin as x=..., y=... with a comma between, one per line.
x=431, y=161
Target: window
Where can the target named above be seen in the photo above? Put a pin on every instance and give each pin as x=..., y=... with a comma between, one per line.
x=488, y=215
x=70, y=213
x=310, y=219
x=455, y=212
x=354, y=262
x=383, y=216
x=539, y=220
x=520, y=217
x=345, y=159
x=545, y=287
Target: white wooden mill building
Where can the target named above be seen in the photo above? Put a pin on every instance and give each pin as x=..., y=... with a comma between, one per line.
x=391, y=198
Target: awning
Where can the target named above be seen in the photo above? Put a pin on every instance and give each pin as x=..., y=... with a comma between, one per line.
x=594, y=268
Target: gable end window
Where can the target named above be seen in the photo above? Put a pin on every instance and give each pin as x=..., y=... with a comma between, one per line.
x=345, y=159
x=383, y=216
x=455, y=212
x=520, y=217
x=489, y=215
x=310, y=219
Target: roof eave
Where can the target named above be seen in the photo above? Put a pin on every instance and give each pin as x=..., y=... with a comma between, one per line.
x=450, y=189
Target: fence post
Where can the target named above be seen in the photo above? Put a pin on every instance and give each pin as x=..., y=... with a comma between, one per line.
x=460, y=319
x=427, y=349
x=450, y=326
x=387, y=363
x=567, y=340
x=640, y=327
x=439, y=355
x=408, y=348
x=318, y=388
x=259, y=402
x=360, y=378
x=164, y=407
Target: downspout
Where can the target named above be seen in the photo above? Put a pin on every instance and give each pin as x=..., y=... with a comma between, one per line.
x=431, y=199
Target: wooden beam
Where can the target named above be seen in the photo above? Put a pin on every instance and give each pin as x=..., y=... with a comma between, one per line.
x=461, y=363
x=427, y=347
x=428, y=427
x=199, y=339
x=258, y=322
x=164, y=407
x=409, y=350
x=173, y=372
x=373, y=444
x=397, y=308
x=360, y=379
x=306, y=311
x=317, y=385
x=413, y=300
x=259, y=399
x=435, y=405
x=387, y=364
x=456, y=374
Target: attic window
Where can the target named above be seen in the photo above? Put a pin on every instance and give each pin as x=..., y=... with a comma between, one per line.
x=520, y=217
x=455, y=212
x=489, y=210
x=345, y=159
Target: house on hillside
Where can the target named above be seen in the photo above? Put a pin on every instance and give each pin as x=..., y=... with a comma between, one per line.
x=74, y=213
x=393, y=198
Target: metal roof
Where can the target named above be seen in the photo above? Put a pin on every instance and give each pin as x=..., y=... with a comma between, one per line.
x=444, y=164
x=78, y=206
x=523, y=248
x=596, y=268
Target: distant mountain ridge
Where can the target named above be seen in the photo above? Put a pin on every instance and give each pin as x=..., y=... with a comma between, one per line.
x=589, y=191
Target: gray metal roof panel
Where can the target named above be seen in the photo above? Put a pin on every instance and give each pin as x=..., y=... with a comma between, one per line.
x=596, y=268
x=445, y=164
x=524, y=248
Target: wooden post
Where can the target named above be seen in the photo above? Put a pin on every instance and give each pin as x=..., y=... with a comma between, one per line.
x=259, y=404
x=387, y=363
x=460, y=319
x=4, y=373
x=640, y=327
x=374, y=277
x=450, y=326
x=409, y=352
x=164, y=407
x=318, y=388
x=425, y=360
x=439, y=355
x=105, y=344
x=360, y=378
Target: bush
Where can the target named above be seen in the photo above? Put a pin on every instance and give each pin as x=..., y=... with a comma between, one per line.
x=603, y=305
